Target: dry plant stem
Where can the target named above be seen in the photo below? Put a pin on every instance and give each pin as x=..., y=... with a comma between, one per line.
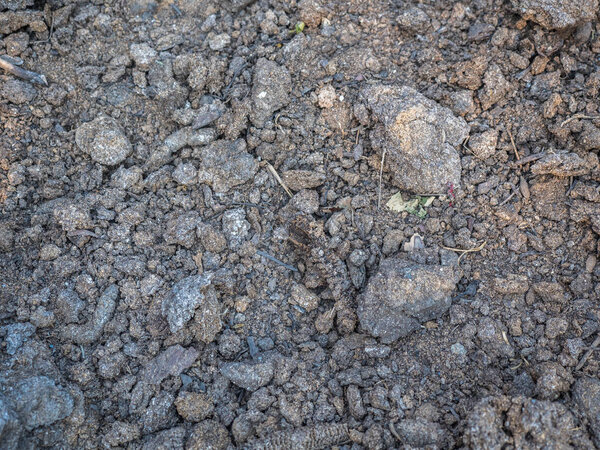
x=380, y=179
x=275, y=260
x=512, y=141
x=504, y=202
x=528, y=159
x=278, y=178
x=32, y=77
x=394, y=431
x=465, y=251
x=588, y=353
x=578, y=116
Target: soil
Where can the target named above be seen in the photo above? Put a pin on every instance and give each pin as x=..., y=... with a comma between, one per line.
x=196, y=247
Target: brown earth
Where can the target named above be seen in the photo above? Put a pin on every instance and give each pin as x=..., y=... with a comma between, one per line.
x=195, y=247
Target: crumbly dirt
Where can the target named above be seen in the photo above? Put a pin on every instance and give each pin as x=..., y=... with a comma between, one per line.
x=226, y=148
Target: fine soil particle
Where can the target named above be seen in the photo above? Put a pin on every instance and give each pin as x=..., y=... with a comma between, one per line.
x=196, y=247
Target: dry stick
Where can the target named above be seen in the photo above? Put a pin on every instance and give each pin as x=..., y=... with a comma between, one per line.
x=278, y=178
x=465, y=251
x=512, y=141
x=578, y=116
x=381, y=178
x=394, y=432
x=32, y=77
x=587, y=354
x=528, y=159
x=504, y=202
x=275, y=260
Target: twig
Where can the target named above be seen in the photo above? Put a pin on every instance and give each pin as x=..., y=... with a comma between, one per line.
x=504, y=202
x=578, y=116
x=33, y=77
x=465, y=251
x=528, y=159
x=279, y=180
x=275, y=260
x=381, y=178
x=394, y=432
x=587, y=354
x=512, y=141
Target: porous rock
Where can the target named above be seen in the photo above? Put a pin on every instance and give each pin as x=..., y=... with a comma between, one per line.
x=38, y=401
x=104, y=140
x=402, y=295
x=557, y=14
x=249, y=375
x=271, y=89
x=225, y=164
x=418, y=136
x=586, y=394
x=186, y=296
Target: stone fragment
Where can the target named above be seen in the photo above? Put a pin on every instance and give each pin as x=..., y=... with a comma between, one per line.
x=186, y=296
x=171, y=362
x=557, y=14
x=247, y=374
x=419, y=138
x=402, y=294
x=225, y=164
x=104, y=140
x=38, y=401
x=92, y=330
x=271, y=89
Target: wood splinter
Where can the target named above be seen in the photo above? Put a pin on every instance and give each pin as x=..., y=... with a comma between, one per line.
x=32, y=77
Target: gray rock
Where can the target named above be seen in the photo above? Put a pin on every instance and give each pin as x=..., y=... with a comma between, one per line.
x=355, y=403
x=15, y=5
x=104, y=140
x=73, y=216
x=121, y=433
x=402, y=295
x=17, y=91
x=249, y=375
x=170, y=362
x=420, y=432
x=413, y=19
x=67, y=306
x=159, y=414
x=586, y=394
x=38, y=401
x=207, y=114
x=522, y=423
x=91, y=331
x=163, y=86
x=484, y=145
x=225, y=164
x=302, y=179
x=186, y=174
x=557, y=14
x=181, y=228
x=219, y=42
x=143, y=55
x=271, y=89
x=10, y=427
x=564, y=164
x=552, y=380
x=419, y=137
x=235, y=227
x=189, y=137
x=186, y=296
x=164, y=440
x=208, y=434
x=15, y=335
